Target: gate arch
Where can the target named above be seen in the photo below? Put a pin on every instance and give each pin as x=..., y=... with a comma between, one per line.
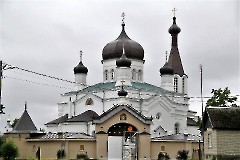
x=120, y=128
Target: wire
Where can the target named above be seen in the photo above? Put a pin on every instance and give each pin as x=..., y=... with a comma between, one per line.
x=40, y=74
x=33, y=82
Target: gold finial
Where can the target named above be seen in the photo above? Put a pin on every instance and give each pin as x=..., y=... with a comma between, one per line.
x=123, y=17
x=166, y=56
x=81, y=56
x=174, y=11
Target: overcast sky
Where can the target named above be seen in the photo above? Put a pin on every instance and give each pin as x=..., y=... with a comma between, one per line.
x=46, y=37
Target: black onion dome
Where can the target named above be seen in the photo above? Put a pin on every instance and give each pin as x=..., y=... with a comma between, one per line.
x=80, y=68
x=123, y=61
x=114, y=49
x=122, y=93
x=174, y=29
x=166, y=69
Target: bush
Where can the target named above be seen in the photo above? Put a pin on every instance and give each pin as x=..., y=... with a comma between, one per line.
x=1, y=143
x=9, y=151
x=182, y=155
x=82, y=157
x=162, y=156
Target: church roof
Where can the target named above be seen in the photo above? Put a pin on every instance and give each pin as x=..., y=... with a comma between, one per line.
x=114, y=49
x=191, y=122
x=61, y=135
x=117, y=108
x=178, y=137
x=61, y=119
x=84, y=117
x=25, y=124
x=99, y=87
x=174, y=59
x=222, y=118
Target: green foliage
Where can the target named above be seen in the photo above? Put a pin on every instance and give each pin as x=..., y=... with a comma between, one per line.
x=9, y=151
x=182, y=155
x=162, y=156
x=1, y=143
x=82, y=157
x=222, y=98
x=30, y=158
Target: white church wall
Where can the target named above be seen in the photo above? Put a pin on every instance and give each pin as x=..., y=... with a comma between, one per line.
x=52, y=128
x=96, y=106
x=193, y=130
x=74, y=127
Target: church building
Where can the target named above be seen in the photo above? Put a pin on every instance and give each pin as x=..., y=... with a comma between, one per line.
x=121, y=117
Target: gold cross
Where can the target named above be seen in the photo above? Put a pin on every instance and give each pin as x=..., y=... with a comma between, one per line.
x=174, y=11
x=123, y=17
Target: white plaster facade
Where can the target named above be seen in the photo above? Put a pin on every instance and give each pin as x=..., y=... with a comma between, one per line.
x=167, y=105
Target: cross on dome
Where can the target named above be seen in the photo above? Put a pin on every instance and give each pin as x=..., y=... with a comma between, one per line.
x=123, y=17
x=174, y=11
x=81, y=56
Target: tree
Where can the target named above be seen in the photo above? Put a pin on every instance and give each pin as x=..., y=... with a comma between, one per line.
x=1, y=143
x=9, y=151
x=162, y=156
x=222, y=98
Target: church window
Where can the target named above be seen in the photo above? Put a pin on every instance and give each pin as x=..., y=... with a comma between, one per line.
x=162, y=148
x=139, y=75
x=183, y=84
x=89, y=101
x=123, y=116
x=112, y=74
x=176, y=84
x=81, y=147
x=105, y=75
x=209, y=140
x=176, y=128
x=134, y=74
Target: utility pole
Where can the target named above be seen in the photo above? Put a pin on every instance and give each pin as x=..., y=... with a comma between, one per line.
x=2, y=68
x=1, y=106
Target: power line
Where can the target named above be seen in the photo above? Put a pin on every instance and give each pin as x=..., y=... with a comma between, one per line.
x=40, y=74
x=33, y=82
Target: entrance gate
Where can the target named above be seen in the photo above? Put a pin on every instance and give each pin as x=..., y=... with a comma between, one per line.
x=122, y=142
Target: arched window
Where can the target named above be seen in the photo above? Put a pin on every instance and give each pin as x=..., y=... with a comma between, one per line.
x=176, y=128
x=133, y=74
x=105, y=75
x=175, y=84
x=123, y=116
x=89, y=101
x=139, y=75
x=112, y=74
x=162, y=148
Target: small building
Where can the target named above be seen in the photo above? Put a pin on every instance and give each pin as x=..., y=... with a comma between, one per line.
x=222, y=133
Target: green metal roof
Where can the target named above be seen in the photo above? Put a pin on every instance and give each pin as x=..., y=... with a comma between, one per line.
x=107, y=86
